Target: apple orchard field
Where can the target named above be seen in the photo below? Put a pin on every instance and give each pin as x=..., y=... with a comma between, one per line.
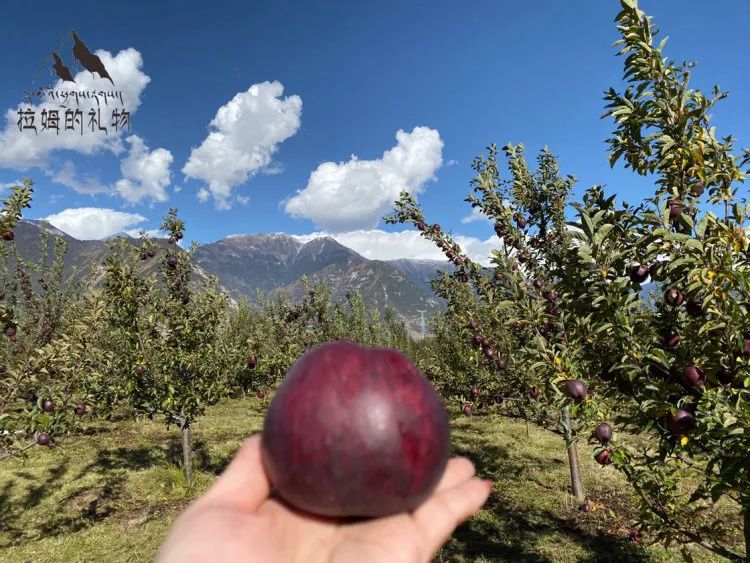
x=110, y=493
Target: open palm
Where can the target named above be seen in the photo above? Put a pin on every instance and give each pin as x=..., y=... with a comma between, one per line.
x=237, y=520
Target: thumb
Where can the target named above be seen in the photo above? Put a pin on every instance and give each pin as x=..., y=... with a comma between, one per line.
x=244, y=484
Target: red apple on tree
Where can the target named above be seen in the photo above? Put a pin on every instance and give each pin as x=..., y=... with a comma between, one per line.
x=576, y=390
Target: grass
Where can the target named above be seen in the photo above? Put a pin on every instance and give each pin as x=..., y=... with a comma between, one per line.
x=111, y=494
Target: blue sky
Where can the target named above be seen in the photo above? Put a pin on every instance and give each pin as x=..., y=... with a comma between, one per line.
x=314, y=83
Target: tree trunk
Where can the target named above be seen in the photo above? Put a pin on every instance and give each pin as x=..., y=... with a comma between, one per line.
x=187, y=452
x=244, y=392
x=747, y=534
x=576, y=482
x=528, y=429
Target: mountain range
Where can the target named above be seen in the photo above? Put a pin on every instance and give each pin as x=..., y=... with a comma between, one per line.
x=271, y=263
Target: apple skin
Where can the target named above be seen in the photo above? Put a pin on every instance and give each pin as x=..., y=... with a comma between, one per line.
x=675, y=208
x=697, y=189
x=694, y=377
x=474, y=392
x=489, y=352
x=694, y=308
x=43, y=439
x=604, y=457
x=499, y=229
x=252, y=361
x=261, y=394
x=139, y=369
x=576, y=390
x=639, y=273
x=48, y=406
x=467, y=409
x=671, y=339
x=520, y=221
x=603, y=432
x=8, y=235
x=501, y=363
x=680, y=422
x=634, y=536
x=80, y=409
x=355, y=432
x=533, y=392
x=585, y=507
x=673, y=297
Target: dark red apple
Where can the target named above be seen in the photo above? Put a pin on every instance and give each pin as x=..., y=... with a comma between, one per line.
x=355, y=431
x=478, y=339
x=585, y=507
x=467, y=409
x=604, y=457
x=634, y=536
x=80, y=409
x=675, y=208
x=694, y=377
x=639, y=273
x=671, y=339
x=533, y=392
x=473, y=324
x=499, y=276
x=172, y=240
x=139, y=369
x=43, y=439
x=488, y=352
x=520, y=221
x=501, y=363
x=681, y=422
x=252, y=361
x=673, y=297
x=261, y=394
x=48, y=406
x=463, y=278
x=603, y=432
x=10, y=331
x=697, y=189
x=576, y=390
x=436, y=227
x=550, y=295
x=694, y=307
x=8, y=235
x=499, y=229
x=474, y=392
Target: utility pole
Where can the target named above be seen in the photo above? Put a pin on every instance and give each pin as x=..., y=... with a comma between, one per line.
x=422, y=320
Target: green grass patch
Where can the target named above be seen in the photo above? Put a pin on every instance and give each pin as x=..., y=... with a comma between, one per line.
x=111, y=493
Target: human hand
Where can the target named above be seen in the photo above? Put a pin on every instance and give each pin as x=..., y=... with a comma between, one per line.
x=237, y=520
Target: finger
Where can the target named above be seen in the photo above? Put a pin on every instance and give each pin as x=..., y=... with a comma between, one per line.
x=244, y=483
x=444, y=511
x=458, y=470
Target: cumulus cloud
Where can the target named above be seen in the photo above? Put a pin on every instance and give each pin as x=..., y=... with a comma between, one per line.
x=145, y=174
x=93, y=223
x=376, y=244
x=244, y=135
x=24, y=150
x=352, y=195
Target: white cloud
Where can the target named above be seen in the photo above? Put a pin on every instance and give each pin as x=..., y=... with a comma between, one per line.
x=24, y=150
x=145, y=174
x=476, y=215
x=8, y=185
x=243, y=200
x=151, y=233
x=243, y=137
x=382, y=245
x=451, y=162
x=67, y=176
x=93, y=223
x=351, y=195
